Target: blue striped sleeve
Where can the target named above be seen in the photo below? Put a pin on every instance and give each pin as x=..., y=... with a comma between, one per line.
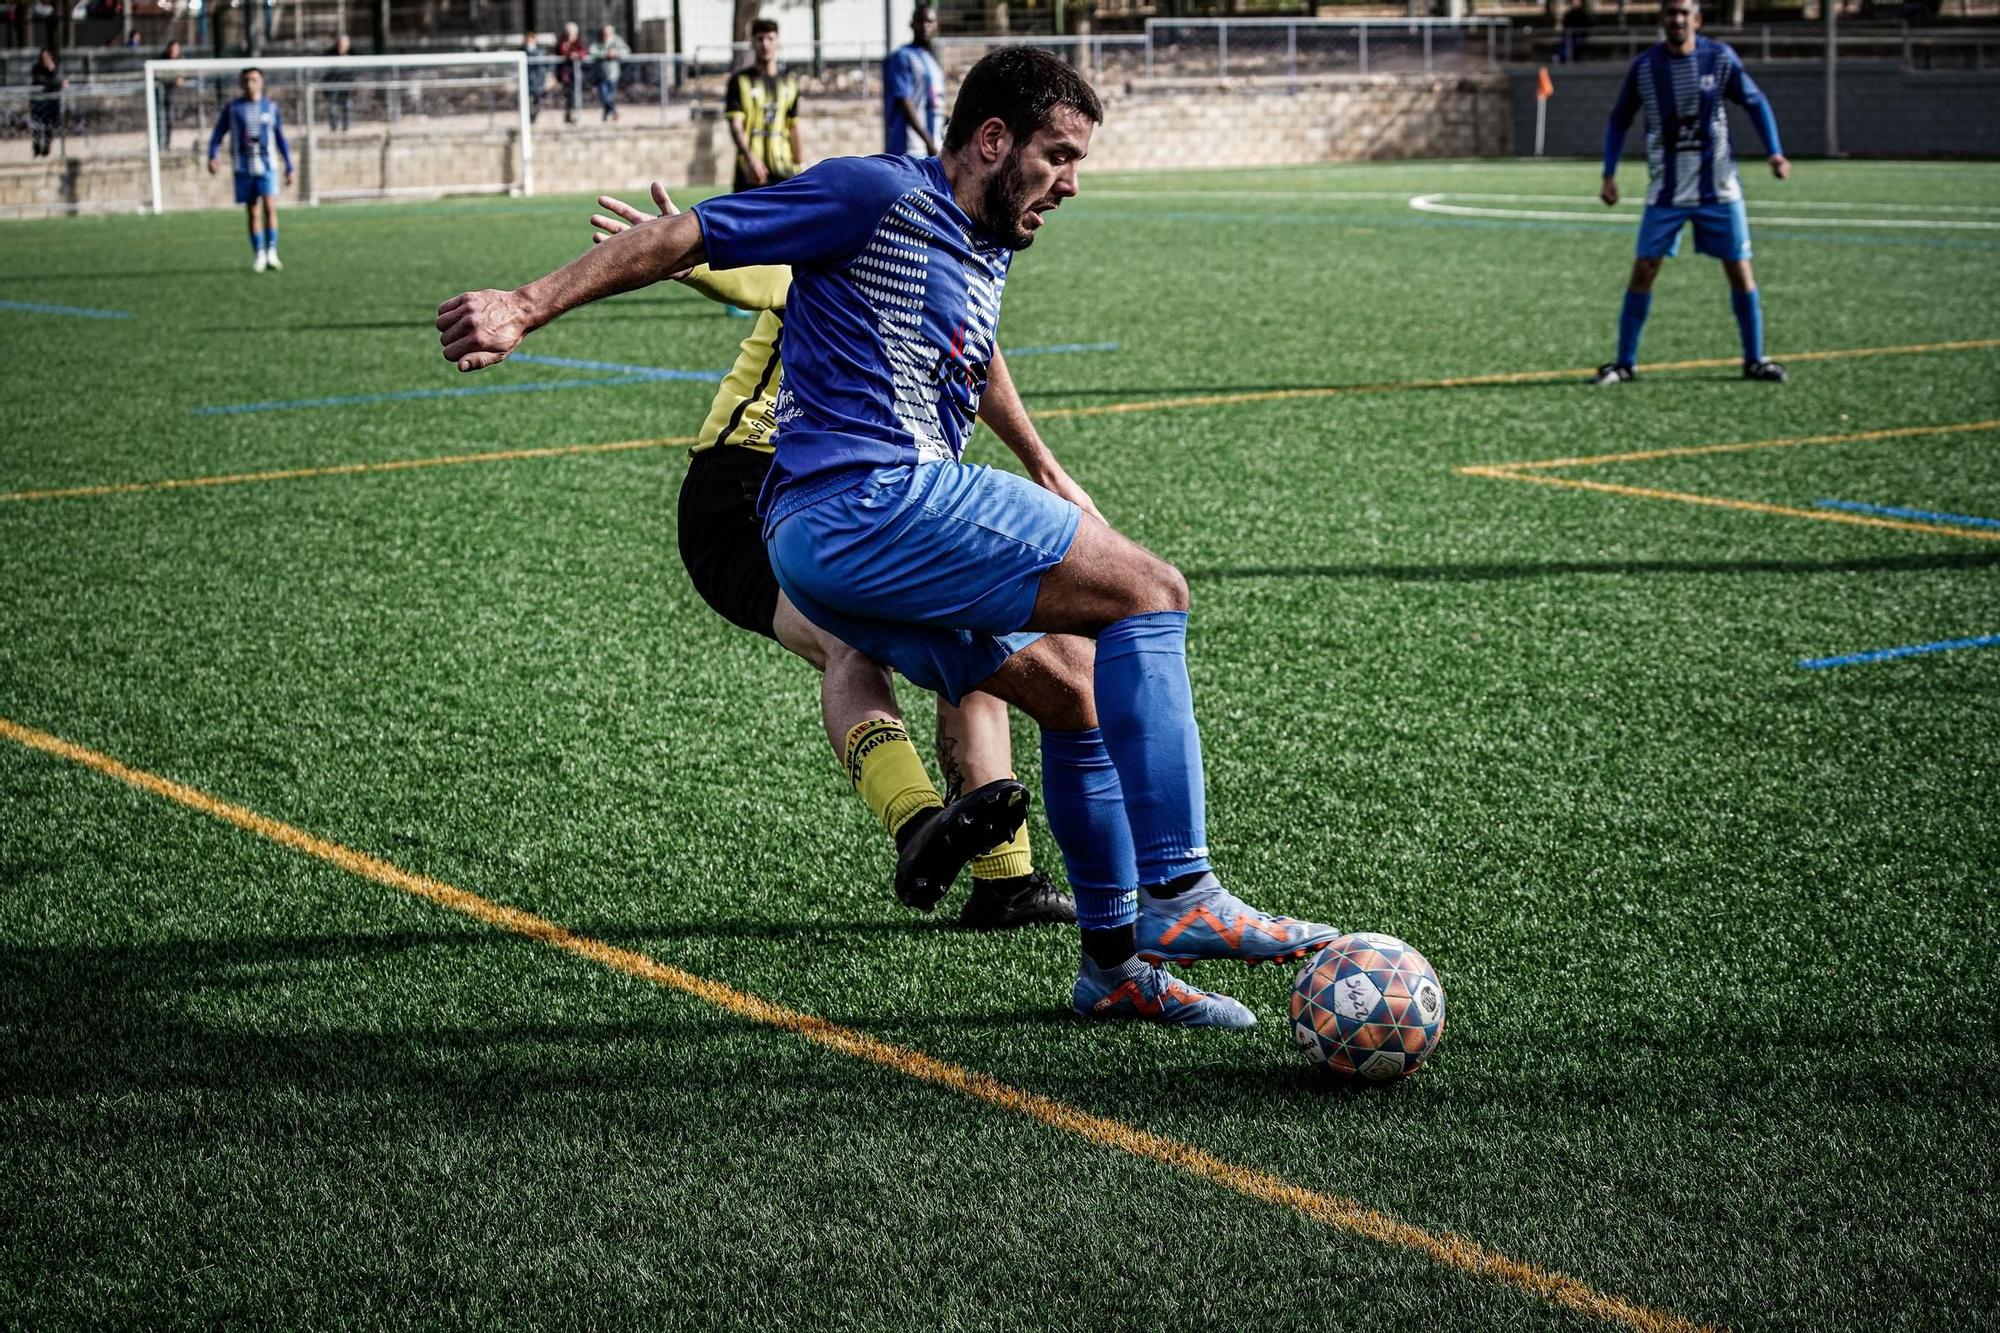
x=1622, y=113
x=278, y=133
x=1741, y=89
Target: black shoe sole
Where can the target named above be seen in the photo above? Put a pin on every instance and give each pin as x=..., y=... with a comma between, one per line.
x=976, y=822
x=1050, y=908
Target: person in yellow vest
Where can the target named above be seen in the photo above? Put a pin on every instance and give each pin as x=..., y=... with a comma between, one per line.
x=722, y=547
x=762, y=106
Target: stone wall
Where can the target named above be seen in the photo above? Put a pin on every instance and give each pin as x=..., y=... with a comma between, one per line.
x=1160, y=126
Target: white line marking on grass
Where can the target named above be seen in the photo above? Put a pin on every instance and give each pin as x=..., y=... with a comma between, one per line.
x=1431, y=203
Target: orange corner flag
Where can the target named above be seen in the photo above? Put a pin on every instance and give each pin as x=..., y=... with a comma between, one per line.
x=1544, y=87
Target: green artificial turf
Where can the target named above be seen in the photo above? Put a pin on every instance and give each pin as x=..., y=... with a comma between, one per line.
x=1717, y=930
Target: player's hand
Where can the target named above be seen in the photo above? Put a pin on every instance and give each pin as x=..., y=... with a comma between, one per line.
x=479, y=329
x=211, y=166
x=759, y=172
x=1781, y=166
x=619, y=216
x=628, y=217
x=288, y=177
x=1609, y=192
x=1052, y=477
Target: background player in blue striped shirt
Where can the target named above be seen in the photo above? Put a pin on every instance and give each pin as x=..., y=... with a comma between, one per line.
x=1680, y=84
x=253, y=127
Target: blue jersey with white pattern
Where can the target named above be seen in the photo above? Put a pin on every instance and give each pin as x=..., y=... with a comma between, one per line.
x=890, y=324
x=1688, y=154
x=252, y=129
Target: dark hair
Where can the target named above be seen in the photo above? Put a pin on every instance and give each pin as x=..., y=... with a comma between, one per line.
x=763, y=25
x=1023, y=86
x=243, y=74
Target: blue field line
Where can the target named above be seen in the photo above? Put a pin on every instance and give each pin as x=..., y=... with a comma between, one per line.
x=1910, y=650
x=1898, y=511
x=618, y=367
x=627, y=375
x=405, y=395
x=81, y=312
x=1054, y=348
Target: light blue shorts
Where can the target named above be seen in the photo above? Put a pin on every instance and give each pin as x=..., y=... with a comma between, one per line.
x=932, y=569
x=1721, y=231
x=250, y=185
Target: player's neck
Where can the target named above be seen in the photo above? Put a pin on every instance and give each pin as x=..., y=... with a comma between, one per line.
x=768, y=68
x=1682, y=48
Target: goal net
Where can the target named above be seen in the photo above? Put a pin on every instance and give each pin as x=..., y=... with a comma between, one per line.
x=359, y=127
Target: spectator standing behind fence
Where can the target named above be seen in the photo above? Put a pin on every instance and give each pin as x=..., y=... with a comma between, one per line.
x=1576, y=25
x=608, y=52
x=913, y=90
x=570, y=55
x=339, y=97
x=45, y=103
x=540, y=80
x=166, y=88
x=762, y=107
x=253, y=127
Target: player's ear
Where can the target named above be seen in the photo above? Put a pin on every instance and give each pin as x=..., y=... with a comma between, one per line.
x=994, y=139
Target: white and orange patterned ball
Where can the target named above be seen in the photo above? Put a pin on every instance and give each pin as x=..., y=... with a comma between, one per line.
x=1367, y=1007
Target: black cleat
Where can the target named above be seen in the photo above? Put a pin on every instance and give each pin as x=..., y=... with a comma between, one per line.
x=1024, y=900
x=930, y=859
x=1768, y=371
x=1610, y=373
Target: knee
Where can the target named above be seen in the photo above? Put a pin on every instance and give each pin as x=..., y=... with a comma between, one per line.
x=1643, y=274
x=1161, y=588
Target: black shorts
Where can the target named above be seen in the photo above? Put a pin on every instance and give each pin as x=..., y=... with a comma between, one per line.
x=722, y=539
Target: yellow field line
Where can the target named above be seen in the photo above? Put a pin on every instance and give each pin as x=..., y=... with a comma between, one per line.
x=1720, y=502
x=350, y=469
x=1474, y=381
x=1783, y=442
x=1521, y=472
x=1049, y=414
x=1445, y=1248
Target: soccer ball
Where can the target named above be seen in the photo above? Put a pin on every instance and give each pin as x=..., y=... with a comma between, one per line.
x=1367, y=1008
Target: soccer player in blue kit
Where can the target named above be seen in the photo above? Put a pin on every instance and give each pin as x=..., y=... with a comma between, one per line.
x=949, y=572
x=1680, y=83
x=253, y=127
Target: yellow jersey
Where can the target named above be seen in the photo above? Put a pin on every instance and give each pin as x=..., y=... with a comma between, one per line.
x=744, y=413
x=766, y=109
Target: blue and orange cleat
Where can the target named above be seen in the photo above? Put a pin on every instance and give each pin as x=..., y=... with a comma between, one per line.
x=1207, y=921
x=1138, y=992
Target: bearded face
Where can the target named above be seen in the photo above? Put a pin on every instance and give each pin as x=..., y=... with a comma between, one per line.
x=1003, y=205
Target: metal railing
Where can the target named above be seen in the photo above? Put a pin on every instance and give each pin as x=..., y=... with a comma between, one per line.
x=1909, y=46
x=1288, y=50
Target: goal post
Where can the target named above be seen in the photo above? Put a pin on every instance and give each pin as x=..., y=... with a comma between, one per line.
x=399, y=125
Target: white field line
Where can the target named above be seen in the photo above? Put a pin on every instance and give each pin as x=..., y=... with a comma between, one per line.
x=1429, y=203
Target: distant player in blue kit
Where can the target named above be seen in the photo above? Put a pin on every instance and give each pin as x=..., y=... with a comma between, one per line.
x=950, y=572
x=253, y=127
x=1680, y=84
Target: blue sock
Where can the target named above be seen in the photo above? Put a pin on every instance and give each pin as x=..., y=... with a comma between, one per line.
x=257, y=240
x=1086, y=811
x=1631, y=323
x=1749, y=322
x=1145, y=707
x=271, y=239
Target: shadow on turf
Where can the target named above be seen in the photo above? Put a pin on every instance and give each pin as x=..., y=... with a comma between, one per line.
x=1888, y=564
x=186, y=1013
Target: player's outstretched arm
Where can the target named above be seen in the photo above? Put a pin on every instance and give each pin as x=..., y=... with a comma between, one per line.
x=1004, y=413
x=479, y=329
x=758, y=287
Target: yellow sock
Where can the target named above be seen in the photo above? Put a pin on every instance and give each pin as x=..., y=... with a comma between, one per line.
x=1009, y=860
x=885, y=769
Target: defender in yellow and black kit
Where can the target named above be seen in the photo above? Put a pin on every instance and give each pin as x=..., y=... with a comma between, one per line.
x=722, y=546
